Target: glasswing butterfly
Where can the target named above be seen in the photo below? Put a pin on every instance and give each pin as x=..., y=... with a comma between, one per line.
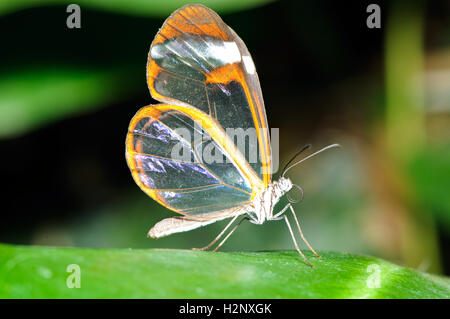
x=203, y=74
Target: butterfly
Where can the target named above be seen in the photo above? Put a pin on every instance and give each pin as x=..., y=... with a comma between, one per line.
x=183, y=152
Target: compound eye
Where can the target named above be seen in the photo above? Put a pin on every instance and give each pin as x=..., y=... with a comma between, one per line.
x=299, y=197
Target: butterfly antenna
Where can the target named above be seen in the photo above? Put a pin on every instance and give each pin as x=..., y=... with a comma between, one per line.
x=304, y=148
x=286, y=169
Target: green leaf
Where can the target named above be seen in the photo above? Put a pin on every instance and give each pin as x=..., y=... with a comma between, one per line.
x=430, y=173
x=41, y=272
x=32, y=98
x=134, y=7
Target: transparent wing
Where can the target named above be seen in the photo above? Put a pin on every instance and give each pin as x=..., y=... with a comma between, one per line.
x=196, y=60
x=163, y=151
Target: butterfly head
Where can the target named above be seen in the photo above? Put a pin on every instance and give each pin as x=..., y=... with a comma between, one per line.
x=284, y=185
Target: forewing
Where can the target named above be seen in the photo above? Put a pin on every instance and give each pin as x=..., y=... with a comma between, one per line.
x=163, y=153
x=198, y=61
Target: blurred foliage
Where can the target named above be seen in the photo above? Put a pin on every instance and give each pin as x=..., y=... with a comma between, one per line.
x=32, y=98
x=430, y=172
x=41, y=272
x=134, y=7
x=405, y=129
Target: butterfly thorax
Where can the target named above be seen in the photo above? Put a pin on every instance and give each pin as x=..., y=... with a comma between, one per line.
x=264, y=202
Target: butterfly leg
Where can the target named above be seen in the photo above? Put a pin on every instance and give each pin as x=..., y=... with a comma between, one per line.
x=295, y=242
x=277, y=216
x=229, y=234
x=218, y=236
x=301, y=233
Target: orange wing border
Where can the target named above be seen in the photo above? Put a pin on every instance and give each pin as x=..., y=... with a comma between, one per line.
x=176, y=24
x=216, y=133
